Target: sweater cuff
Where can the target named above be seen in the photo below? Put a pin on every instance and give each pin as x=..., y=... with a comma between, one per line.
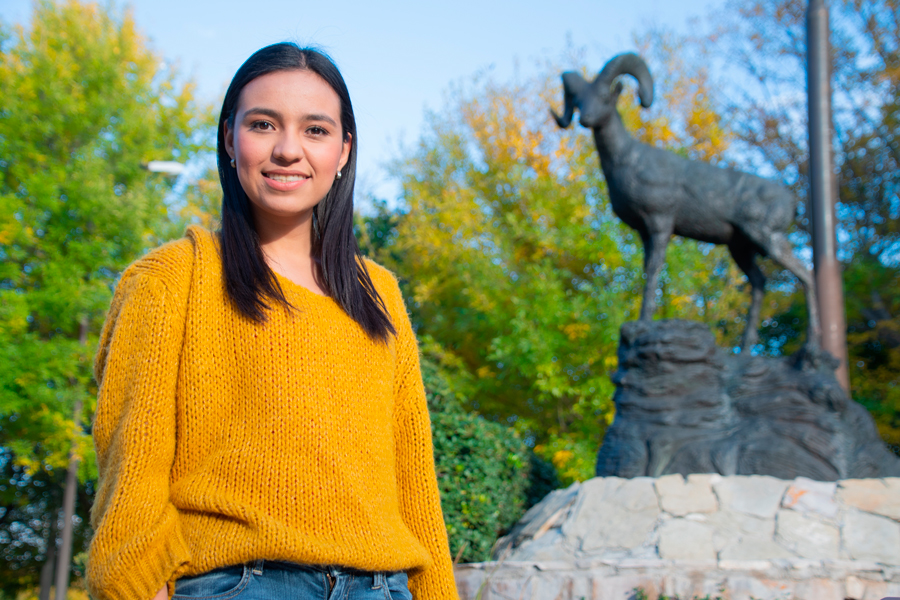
x=142, y=578
x=434, y=583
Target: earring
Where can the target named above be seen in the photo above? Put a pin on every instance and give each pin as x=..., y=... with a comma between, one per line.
x=337, y=175
x=232, y=163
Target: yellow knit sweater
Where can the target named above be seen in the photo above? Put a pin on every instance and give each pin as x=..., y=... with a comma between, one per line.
x=220, y=441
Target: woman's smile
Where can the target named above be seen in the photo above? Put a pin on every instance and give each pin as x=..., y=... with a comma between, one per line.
x=285, y=182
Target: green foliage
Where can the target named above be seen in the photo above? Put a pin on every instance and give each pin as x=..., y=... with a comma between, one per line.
x=486, y=474
x=30, y=509
x=499, y=251
x=873, y=341
x=83, y=104
x=482, y=470
x=376, y=232
x=76, y=204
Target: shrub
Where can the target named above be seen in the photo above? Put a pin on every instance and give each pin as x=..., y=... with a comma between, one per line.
x=487, y=476
x=482, y=470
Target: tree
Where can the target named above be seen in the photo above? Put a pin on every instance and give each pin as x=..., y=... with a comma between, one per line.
x=519, y=275
x=763, y=42
x=30, y=516
x=84, y=103
x=488, y=477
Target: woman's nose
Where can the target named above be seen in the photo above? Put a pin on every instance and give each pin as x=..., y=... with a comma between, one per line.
x=289, y=148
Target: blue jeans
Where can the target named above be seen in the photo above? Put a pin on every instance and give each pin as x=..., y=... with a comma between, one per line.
x=270, y=580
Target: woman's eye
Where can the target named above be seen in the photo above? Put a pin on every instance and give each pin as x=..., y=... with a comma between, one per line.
x=261, y=125
x=316, y=130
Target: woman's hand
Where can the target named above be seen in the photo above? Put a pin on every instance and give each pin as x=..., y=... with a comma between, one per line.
x=162, y=594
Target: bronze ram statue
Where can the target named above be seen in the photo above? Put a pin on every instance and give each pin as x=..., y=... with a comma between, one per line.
x=659, y=193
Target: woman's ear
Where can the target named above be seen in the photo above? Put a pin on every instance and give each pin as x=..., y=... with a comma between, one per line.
x=229, y=139
x=345, y=151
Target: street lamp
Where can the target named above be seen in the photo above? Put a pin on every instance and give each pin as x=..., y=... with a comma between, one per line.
x=169, y=167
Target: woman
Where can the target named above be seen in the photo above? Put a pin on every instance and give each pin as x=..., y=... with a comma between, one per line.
x=261, y=429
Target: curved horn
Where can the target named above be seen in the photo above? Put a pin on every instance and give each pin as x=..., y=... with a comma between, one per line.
x=573, y=84
x=629, y=63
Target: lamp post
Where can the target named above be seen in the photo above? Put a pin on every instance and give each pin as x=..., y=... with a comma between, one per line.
x=823, y=189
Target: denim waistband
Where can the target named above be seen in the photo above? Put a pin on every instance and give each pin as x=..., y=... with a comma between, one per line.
x=259, y=566
x=266, y=579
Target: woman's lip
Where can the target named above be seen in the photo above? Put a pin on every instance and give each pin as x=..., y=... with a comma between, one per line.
x=285, y=173
x=284, y=186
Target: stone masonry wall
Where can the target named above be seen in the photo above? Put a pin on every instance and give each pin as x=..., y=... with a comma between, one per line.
x=785, y=579
x=738, y=537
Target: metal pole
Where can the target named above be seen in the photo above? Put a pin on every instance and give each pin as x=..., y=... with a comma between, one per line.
x=823, y=189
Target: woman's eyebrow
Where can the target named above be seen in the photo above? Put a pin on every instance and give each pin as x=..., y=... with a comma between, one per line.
x=315, y=117
x=265, y=112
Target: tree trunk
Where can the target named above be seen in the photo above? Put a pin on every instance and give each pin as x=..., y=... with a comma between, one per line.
x=63, y=565
x=49, y=558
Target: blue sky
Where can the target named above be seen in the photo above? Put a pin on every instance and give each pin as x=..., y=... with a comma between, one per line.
x=398, y=56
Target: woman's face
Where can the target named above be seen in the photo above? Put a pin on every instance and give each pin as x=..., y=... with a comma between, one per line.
x=287, y=143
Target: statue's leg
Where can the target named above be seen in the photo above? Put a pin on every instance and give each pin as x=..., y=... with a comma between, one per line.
x=779, y=250
x=654, y=257
x=744, y=253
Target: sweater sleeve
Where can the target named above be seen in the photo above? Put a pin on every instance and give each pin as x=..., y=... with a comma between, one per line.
x=420, y=502
x=137, y=546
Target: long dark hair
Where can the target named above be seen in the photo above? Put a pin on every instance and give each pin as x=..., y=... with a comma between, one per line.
x=248, y=279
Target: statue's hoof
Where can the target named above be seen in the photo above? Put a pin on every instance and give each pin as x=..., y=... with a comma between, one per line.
x=812, y=357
